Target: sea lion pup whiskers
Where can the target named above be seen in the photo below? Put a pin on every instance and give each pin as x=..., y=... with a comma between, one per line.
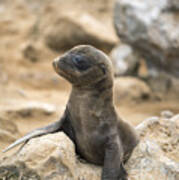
x=90, y=119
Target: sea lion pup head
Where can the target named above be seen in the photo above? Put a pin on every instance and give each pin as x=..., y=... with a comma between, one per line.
x=86, y=67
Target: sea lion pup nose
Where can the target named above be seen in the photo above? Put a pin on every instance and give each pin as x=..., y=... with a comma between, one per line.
x=90, y=119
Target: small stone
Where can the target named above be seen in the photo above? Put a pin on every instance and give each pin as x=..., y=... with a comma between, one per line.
x=30, y=52
x=167, y=114
x=175, y=119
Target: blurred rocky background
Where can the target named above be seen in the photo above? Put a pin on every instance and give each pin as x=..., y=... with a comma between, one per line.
x=142, y=40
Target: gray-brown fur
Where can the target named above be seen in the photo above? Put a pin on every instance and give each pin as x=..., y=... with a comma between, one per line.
x=90, y=118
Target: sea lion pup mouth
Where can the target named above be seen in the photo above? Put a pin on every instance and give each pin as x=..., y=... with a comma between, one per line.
x=84, y=66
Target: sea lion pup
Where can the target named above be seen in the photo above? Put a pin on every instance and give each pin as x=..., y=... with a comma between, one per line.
x=90, y=119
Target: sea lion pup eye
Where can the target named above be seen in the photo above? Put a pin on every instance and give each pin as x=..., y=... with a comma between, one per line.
x=90, y=120
x=80, y=62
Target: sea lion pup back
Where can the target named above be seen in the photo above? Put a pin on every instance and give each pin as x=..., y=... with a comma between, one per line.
x=90, y=119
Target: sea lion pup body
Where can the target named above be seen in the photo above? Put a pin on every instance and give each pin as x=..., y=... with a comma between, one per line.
x=90, y=118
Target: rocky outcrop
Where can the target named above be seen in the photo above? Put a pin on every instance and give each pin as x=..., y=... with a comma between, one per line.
x=151, y=28
x=130, y=89
x=53, y=156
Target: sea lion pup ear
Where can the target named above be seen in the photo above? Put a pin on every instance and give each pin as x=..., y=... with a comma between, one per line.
x=54, y=127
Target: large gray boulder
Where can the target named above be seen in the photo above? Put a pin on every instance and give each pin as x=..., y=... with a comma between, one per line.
x=152, y=28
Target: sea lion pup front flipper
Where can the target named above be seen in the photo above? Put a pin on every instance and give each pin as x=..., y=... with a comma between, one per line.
x=113, y=160
x=52, y=128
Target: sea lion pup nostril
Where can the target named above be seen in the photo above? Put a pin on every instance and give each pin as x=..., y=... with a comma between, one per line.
x=90, y=119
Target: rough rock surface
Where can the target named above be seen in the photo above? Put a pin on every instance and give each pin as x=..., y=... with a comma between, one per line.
x=130, y=88
x=125, y=60
x=151, y=27
x=53, y=156
x=156, y=157
x=49, y=157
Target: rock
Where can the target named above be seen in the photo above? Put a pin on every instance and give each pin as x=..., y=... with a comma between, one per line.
x=151, y=28
x=30, y=52
x=53, y=156
x=8, y=131
x=63, y=25
x=146, y=125
x=173, y=5
x=7, y=137
x=156, y=156
x=125, y=60
x=175, y=119
x=165, y=132
x=50, y=157
x=167, y=114
x=31, y=108
x=161, y=82
x=66, y=31
x=8, y=125
x=15, y=173
x=149, y=162
x=130, y=88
